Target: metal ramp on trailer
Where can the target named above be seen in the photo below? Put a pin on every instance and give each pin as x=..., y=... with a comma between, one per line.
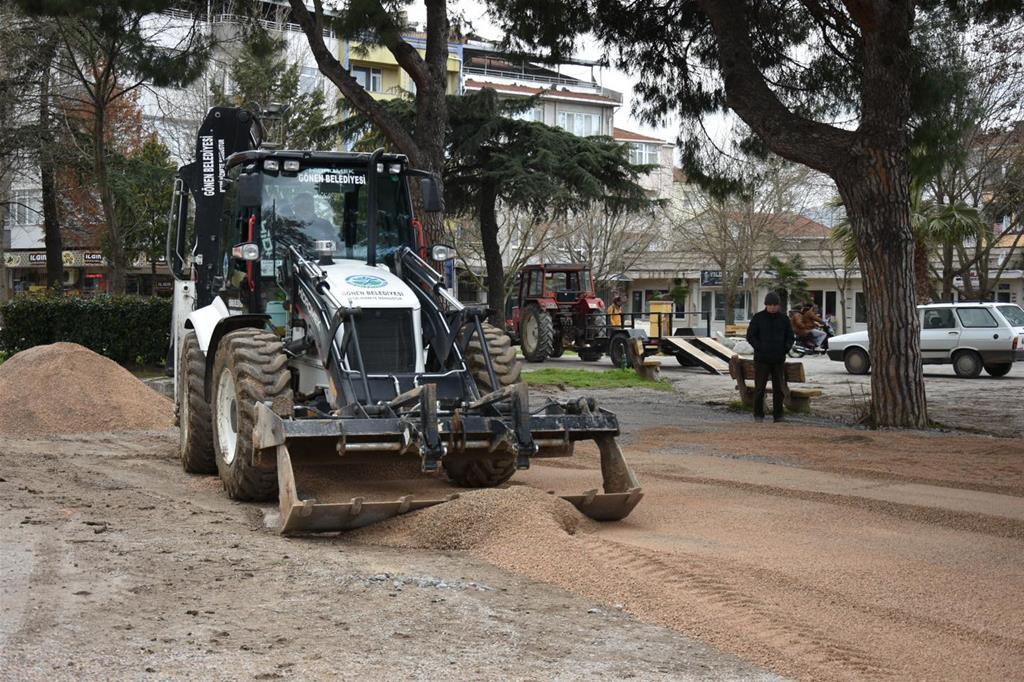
x=706, y=358
x=713, y=347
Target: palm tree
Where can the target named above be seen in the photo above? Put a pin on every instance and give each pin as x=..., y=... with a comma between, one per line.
x=935, y=225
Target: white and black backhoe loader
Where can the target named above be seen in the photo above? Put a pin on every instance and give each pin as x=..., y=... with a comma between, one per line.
x=318, y=357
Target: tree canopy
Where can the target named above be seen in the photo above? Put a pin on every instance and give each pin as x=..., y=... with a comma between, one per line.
x=496, y=161
x=262, y=74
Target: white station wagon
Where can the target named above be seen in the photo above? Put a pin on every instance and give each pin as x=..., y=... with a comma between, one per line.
x=970, y=336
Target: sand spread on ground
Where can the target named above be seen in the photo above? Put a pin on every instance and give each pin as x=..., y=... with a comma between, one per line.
x=64, y=388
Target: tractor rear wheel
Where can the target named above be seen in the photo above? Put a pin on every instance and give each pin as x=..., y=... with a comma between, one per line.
x=537, y=333
x=491, y=470
x=503, y=355
x=250, y=368
x=195, y=432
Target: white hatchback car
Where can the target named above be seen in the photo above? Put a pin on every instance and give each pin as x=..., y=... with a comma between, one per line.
x=970, y=336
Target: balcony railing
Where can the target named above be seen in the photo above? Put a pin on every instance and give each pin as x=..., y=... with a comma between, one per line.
x=524, y=78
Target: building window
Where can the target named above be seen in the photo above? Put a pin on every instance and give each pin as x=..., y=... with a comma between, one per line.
x=861, y=308
x=25, y=208
x=643, y=153
x=309, y=80
x=533, y=114
x=370, y=79
x=579, y=123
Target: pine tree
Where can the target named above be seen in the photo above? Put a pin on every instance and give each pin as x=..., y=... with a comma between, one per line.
x=497, y=162
x=261, y=75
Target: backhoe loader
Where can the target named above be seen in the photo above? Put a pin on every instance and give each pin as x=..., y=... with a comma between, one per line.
x=319, y=358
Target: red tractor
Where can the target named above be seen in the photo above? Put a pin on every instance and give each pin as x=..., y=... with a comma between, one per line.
x=556, y=309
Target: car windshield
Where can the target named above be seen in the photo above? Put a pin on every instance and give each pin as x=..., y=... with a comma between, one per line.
x=1013, y=314
x=319, y=204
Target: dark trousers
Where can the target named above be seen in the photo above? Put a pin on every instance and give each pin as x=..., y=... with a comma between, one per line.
x=777, y=372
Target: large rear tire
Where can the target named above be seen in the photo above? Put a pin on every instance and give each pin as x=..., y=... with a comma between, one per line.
x=195, y=430
x=488, y=471
x=537, y=333
x=507, y=367
x=250, y=368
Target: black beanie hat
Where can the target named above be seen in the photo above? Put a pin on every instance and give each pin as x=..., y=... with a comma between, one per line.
x=771, y=298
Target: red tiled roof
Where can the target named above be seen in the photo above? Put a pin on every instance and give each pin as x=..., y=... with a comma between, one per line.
x=516, y=89
x=629, y=135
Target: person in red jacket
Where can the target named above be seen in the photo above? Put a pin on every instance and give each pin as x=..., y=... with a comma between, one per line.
x=771, y=335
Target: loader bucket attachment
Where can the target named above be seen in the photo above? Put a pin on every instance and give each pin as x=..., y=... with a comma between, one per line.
x=339, y=474
x=622, y=492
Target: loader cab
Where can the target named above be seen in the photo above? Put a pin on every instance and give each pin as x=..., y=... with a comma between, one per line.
x=316, y=202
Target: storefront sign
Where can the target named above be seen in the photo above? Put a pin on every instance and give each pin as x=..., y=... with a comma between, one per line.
x=37, y=259
x=711, y=278
x=93, y=258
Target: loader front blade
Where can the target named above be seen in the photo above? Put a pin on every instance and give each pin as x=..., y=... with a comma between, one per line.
x=622, y=491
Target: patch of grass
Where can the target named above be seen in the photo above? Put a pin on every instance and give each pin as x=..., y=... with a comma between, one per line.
x=3, y=356
x=583, y=378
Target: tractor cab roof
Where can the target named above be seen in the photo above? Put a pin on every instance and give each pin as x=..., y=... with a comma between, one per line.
x=330, y=158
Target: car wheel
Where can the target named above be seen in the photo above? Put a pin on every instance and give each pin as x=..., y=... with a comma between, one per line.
x=857, y=361
x=967, y=364
x=998, y=370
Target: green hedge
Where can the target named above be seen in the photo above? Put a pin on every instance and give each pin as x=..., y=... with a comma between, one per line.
x=127, y=329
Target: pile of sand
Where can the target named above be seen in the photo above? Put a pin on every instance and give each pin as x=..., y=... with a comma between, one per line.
x=491, y=523
x=66, y=388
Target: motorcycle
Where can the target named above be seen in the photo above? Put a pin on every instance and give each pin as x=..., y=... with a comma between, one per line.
x=805, y=345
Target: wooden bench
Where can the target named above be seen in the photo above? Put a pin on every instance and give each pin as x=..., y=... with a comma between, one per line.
x=796, y=399
x=648, y=368
x=736, y=329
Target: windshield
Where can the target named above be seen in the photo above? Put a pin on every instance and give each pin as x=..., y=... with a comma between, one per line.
x=320, y=203
x=1013, y=314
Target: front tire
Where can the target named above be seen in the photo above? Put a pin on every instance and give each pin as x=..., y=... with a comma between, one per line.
x=857, y=361
x=195, y=429
x=537, y=333
x=507, y=367
x=486, y=472
x=250, y=368
x=998, y=370
x=967, y=364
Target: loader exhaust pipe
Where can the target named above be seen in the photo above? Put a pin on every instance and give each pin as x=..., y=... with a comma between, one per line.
x=371, y=206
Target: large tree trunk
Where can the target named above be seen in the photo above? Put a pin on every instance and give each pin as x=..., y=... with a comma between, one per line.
x=876, y=194
x=488, y=214
x=51, y=221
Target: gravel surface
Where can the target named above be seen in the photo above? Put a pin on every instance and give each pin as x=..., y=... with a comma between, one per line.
x=116, y=565
x=67, y=388
x=806, y=549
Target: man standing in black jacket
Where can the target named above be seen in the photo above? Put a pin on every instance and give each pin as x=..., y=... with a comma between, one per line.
x=771, y=335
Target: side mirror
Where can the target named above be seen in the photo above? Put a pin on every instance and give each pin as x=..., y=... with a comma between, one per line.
x=250, y=189
x=442, y=252
x=248, y=251
x=431, y=190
